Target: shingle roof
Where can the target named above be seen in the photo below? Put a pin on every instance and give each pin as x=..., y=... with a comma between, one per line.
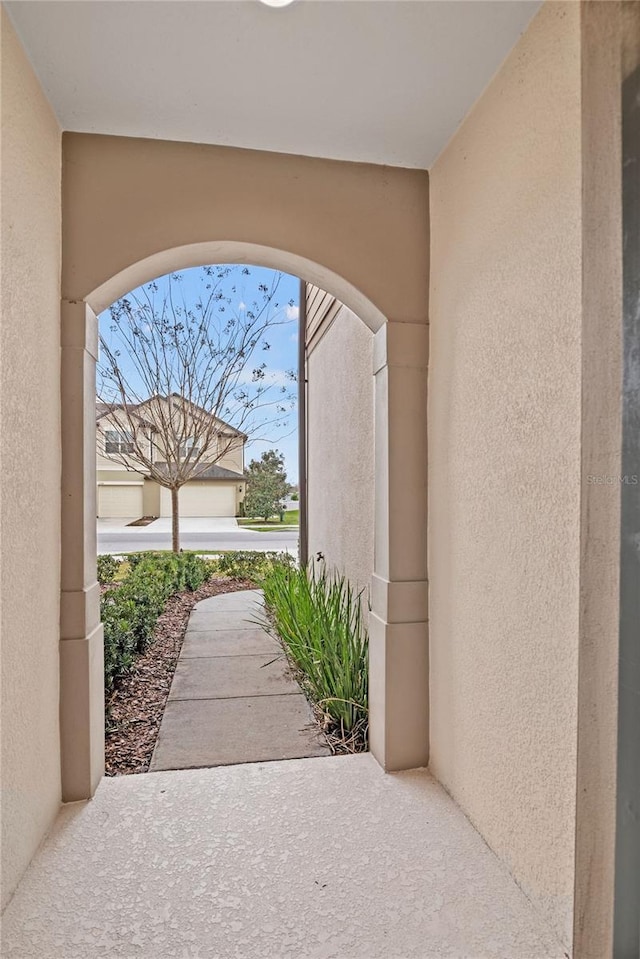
x=102, y=408
x=213, y=472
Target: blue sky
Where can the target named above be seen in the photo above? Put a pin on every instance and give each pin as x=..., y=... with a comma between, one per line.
x=282, y=355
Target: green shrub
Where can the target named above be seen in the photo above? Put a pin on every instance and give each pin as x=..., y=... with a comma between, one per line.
x=318, y=617
x=196, y=571
x=249, y=564
x=108, y=567
x=130, y=612
x=136, y=558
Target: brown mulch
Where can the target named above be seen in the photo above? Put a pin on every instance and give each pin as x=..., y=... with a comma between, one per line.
x=136, y=704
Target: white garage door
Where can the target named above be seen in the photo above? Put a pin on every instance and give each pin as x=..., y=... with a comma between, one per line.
x=122, y=500
x=202, y=499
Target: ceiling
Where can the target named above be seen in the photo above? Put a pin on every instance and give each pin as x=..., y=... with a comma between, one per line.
x=382, y=81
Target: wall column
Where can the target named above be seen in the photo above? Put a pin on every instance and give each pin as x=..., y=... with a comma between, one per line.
x=81, y=641
x=399, y=653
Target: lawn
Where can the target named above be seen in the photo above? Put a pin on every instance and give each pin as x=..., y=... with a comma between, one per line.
x=291, y=518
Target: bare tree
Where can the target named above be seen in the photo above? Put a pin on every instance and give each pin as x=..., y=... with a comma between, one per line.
x=179, y=385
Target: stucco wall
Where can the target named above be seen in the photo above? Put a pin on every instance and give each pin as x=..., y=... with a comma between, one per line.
x=341, y=448
x=504, y=447
x=30, y=448
x=356, y=229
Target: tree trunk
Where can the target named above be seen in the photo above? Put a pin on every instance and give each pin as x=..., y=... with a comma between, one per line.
x=175, y=521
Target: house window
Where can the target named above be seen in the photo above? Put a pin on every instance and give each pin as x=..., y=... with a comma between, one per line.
x=190, y=445
x=115, y=442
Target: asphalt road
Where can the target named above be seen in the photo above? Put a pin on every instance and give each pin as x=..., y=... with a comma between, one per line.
x=140, y=539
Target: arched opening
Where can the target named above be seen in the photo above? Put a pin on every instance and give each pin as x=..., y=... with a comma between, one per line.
x=398, y=698
x=230, y=675
x=232, y=251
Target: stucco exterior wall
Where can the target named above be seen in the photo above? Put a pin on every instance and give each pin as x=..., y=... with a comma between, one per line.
x=30, y=447
x=504, y=447
x=359, y=230
x=340, y=442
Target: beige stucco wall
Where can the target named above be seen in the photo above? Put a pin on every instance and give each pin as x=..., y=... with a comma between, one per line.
x=30, y=488
x=340, y=443
x=504, y=447
x=233, y=458
x=361, y=231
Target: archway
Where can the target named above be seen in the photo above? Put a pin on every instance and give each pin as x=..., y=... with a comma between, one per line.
x=136, y=209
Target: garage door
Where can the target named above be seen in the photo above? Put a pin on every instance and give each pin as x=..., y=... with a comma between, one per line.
x=121, y=500
x=202, y=499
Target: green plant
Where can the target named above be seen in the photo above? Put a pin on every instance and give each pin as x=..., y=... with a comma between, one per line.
x=130, y=612
x=249, y=564
x=108, y=567
x=196, y=571
x=266, y=485
x=318, y=617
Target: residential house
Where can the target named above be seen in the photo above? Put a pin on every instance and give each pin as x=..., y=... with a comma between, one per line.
x=125, y=488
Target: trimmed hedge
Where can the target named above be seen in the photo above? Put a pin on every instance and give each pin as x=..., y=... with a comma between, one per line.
x=129, y=612
x=249, y=564
x=108, y=567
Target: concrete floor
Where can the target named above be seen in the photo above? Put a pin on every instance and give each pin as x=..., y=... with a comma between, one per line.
x=309, y=859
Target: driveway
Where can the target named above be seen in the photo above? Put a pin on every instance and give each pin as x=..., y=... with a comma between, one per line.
x=188, y=524
x=196, y=533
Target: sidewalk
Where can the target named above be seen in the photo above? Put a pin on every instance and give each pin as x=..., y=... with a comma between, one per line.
x=233, y=699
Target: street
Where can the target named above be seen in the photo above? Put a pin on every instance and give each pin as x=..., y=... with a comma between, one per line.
x=196, y=535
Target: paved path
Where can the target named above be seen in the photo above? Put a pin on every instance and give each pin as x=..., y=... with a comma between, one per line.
x=232, y=699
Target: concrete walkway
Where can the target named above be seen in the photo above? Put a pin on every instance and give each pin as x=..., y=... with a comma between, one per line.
x=233, y=699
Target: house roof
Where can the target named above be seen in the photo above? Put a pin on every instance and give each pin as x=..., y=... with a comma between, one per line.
x=213, y=472
x=102, y=409
x=200, y=409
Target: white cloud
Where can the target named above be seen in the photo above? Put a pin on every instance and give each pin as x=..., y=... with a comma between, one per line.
x=293, y=312
x=242, y=305
x=294, y=337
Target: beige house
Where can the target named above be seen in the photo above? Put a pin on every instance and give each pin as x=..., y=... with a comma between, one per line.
x=216, y=489
x=460, y=179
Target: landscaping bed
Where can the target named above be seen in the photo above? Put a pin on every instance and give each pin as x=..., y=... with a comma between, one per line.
x=137, y=693
x=318, y=618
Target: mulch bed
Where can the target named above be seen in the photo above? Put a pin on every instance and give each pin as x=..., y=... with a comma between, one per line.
x=136, y=705
x=143, y=521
